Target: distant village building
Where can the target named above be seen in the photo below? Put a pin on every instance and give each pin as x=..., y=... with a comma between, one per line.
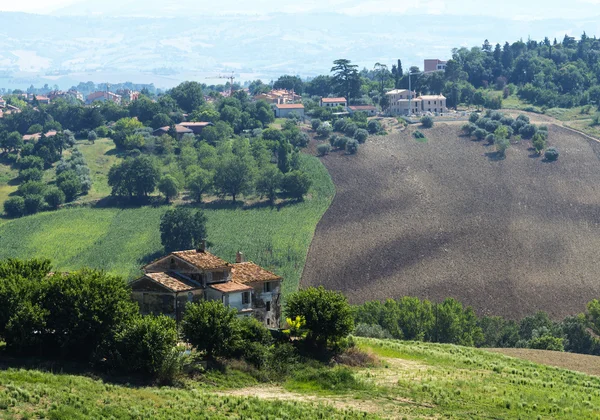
x=71, y=93
x=172, y=281
x=103, y=96
x=278, y=96
x=2, y=102
x=42, y=100
x=196, y=127
x=431, y=65
x=333, y=102
x=285, y=110
x=128, y=94
x=401, y=99
x=370, y=110
x=180, y=131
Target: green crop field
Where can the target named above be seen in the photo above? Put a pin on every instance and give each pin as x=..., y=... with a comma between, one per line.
x=99, y=156
x=121, y=240
x=406, y=380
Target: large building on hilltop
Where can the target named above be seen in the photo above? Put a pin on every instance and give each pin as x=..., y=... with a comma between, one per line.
x=172, y=281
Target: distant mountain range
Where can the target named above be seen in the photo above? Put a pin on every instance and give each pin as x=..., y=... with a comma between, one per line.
x=64, y=50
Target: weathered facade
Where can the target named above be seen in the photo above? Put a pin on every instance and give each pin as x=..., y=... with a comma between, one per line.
x=172, y=281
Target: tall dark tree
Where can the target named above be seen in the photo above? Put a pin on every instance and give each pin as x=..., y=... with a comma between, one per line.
x=346, y=80
x=182, y=229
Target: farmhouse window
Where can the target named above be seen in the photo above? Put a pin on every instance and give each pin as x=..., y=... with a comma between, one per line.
x=245, y=298
x=172, y=263
x=269, y=306
x=218, y=275
x=267, y=287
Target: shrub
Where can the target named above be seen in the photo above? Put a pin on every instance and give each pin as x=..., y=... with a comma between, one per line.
x=551, y=154
x=31, y=174
x=54, y=197
x=490, y=138
x=374, y=126
x=14, y=206
x=523, y=118
x=340, y=142
x=473, y=117
x=32, y=187
x=92, y=136
x=547, y=342
x=418, y=135
x=102, y=131
x=373, y=331
x=29, y=162
x=507, y=120
x=324, y=131
x=315, y=124
x=539, y=142
x=323, y=149
x=212, y=327
x=501, y=145
x=361, y=135
x=295, y=184
x=339, y=125
x=492, y=125
x=327, y=314
x=427, y=122
x=351, y=146
x=528, y=131
x=34, y=203
x=145, y=343
x=480, y=134
x=350, y=129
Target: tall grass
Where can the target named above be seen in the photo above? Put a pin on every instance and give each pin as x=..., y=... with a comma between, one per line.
x=121, y=240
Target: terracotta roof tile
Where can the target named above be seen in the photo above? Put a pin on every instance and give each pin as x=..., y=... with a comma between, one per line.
x=289, y=106
x=333, y=100
x=172, y=282
x=230, y=287
x=202, y=259
x=248, y=272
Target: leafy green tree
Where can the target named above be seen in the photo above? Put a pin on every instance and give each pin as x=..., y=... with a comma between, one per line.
x=323, y=149
x=315, y=123
x=31, y=174
x=351, y=147
x=296, y=184
x=294, y=83
x=144, y=344
x=345, y=80
x=234, y=175
x=137, y=176
x=268, y=182
x=188, y=95
x=374, y=126
x=30, y=162
x=14, y=206
x=182, y=229
x=427, y=121
x=92, y=136
x=200, y=182
x=211, y=327
x=324, y=131
x=70, y=184
x=34, y=203
x=547, y=342
x=327, y=314
x=54, y=197
x=361, y=135
x=551, y=154
x=168, y=187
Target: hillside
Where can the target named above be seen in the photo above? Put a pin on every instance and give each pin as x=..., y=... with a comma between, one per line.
x=120, y=240
x=408, y=380
x=445, y=219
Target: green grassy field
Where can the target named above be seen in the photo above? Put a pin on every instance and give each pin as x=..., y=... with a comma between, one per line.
x=121, y=240
x=99, y=156
x=407, y=380
x=7, y=174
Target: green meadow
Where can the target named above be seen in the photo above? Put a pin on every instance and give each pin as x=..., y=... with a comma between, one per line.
x=121, y=240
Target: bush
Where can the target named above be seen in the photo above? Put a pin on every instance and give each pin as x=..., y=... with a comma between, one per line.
x=327, y=314
x=324, y=131
x=339, y=125
x=551, y=154
x=480, y=134
x=29, y=162
x=295, y=184
x=473, y=117
x=212, y=327
x=547, y=342
x=492, y=125
x=501, y=145
x=351, y=146
x=92, y=136
x=34, y=203
x=490, y=138
x=507, y=120
x=350, y=129
x=528, y=131
x=418, y=135
x=361, y=135
x=340, y=142
x=539, y=143
x=144, y=344
x=323, y=149
x=102, y=131
x=14, y=207
x=427, y=121
x=315, y=124
x=31, y=174
x=373, y=331
x=373, y=126
x=54, y=197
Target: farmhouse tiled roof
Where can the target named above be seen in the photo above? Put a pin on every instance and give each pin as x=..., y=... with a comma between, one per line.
x=289, y=106
x=171, y=281
x=230, y=287
x=195, y=124
x=248, y=272
x=431, y=97
x=179, y=129
x=202, y=259
x=362, y=107
x=332, y=100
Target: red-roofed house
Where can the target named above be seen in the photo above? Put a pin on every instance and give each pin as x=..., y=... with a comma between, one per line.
x=333, y=102
x=285, y=110
x=196, y=127
x=172, y=281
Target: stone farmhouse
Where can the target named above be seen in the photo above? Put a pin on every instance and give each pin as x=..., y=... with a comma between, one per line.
x=431, y=65
x=172, y=281
x=333, y=102
x=403, y=102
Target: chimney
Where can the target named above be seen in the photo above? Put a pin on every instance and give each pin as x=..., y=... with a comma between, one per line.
x=239, y=257
x=201, y=246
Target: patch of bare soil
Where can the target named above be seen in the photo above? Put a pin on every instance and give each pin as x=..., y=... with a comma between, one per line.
x=572, y=361
x=446, y=218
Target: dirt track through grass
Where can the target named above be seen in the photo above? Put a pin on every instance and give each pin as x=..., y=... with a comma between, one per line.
x=444, y=218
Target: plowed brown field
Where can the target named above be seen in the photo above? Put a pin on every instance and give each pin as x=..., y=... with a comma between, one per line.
x=444, y=218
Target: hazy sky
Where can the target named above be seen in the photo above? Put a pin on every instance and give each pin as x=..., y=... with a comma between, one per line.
x=516, y=9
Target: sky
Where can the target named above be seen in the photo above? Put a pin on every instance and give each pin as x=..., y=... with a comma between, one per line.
x=514, y=9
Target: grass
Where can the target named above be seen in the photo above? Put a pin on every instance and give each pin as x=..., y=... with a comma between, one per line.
x=121, y=240
x=7, y=174
x=99, y=156
x=408, y=380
